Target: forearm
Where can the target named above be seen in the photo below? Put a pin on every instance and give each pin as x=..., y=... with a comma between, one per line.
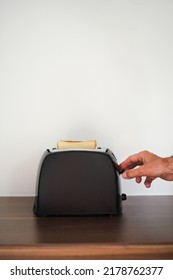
x=167, y=172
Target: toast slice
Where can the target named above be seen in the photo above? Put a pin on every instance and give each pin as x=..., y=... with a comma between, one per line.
x=88, y=144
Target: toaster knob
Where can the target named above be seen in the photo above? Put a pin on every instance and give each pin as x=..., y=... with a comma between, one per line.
x=124, y=196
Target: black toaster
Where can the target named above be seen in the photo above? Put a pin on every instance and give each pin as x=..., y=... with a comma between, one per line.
x=78, y=182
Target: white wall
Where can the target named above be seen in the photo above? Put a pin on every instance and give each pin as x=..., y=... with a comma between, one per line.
x=81, y=69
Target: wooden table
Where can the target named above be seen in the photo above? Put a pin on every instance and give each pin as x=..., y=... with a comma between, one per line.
x=144, y=231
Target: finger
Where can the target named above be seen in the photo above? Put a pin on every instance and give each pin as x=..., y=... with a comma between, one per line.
x=131, y=162
x=138, y=179
x=132, y=173
x=148, y=182
x=137, y=172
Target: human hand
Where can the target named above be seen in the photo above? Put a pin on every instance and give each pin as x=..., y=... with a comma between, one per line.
x=150, y=165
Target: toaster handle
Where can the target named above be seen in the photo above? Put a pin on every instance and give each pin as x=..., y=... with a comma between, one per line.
x=112, y=156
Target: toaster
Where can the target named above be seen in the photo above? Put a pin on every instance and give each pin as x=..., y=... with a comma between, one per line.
x=78, y=182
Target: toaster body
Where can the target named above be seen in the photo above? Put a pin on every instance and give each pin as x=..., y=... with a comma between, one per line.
x=78, y=182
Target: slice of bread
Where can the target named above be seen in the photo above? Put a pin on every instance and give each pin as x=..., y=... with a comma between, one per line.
x=88, y=144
